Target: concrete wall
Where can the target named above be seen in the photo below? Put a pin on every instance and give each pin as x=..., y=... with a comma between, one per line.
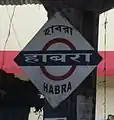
x=109, y=97
x=27, y=20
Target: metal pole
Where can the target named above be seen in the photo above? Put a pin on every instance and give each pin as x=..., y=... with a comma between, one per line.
x=87, y=23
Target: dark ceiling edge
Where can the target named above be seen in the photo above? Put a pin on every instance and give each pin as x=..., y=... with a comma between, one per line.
x=19, y=2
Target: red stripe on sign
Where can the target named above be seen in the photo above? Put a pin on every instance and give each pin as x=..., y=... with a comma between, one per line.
x=11, y=67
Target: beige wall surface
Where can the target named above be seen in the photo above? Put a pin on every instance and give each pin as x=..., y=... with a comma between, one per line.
x=27, y=20
x=109, y=31
x=101, y=97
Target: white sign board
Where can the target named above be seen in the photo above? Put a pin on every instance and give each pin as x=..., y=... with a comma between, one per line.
x=57, y=59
